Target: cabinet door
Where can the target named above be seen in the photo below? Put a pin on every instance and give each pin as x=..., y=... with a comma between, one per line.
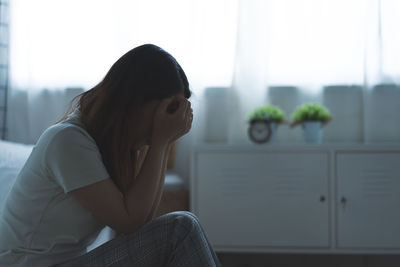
x=368, y=200
x=263, y=199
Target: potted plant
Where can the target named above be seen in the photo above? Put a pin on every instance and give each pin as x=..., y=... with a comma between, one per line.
x=312, y=117
x=264, y=122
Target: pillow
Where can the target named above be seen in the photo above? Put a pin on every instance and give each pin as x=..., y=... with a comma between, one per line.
x=12, y=157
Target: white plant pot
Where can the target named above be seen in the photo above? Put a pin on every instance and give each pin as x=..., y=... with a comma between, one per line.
x=312, y=132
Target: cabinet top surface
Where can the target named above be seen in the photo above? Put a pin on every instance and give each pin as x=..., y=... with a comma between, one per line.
x=296, y=147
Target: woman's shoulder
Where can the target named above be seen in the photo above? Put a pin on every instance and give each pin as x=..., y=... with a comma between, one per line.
x=71, y=126
x=63, y=129
x=63, y=134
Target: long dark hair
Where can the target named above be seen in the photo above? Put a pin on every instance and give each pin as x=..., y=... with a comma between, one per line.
x=143, y=74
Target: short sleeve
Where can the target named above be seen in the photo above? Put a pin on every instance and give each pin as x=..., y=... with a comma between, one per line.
x=74, y=160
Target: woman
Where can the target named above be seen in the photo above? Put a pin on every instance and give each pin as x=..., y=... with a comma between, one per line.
x=83, y=174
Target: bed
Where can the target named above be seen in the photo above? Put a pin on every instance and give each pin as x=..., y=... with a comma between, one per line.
x=13, y=156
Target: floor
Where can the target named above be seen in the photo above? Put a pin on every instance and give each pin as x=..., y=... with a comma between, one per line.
x=310, y=260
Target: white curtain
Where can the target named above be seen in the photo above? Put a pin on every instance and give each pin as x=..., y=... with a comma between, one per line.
x=343, y=54
x=59, y=48
x=60, y=44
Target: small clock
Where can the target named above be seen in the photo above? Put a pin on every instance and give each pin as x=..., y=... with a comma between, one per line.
x=259, y=131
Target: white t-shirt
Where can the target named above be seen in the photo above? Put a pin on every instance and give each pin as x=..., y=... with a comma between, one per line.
x=41, y=224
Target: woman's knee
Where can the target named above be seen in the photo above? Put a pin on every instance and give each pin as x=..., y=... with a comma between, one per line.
x=186, y=218
x=185, y=214
x=182, y=213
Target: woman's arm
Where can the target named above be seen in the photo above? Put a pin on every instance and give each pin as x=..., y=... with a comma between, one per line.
x=126, y=214
x=143, y=192
x=159, y=194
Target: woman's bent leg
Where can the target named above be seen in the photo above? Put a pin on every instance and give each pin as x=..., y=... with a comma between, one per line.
x=192, y=247
x=173, y=239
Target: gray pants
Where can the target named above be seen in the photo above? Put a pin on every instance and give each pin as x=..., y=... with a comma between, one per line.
x=174, y=239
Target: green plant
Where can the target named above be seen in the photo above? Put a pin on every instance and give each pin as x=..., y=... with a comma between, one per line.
x=268, y=112
x=311, y=112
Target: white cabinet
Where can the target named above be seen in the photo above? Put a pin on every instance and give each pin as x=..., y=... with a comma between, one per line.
x=298, y=198
x=368, y=199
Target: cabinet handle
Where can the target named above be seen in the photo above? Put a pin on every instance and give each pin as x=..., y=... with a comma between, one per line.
x=343, y=200
x=322, y=199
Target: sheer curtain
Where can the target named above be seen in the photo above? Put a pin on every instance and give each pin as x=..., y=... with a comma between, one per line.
x=71, y=44
x=60, y=48
x=344, y=54
x=236, y=54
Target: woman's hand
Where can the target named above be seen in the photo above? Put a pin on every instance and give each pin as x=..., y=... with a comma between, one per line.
x=188, y=124
x=167, y=126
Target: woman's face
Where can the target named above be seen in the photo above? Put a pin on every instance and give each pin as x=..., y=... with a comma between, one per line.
x=142, y=129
